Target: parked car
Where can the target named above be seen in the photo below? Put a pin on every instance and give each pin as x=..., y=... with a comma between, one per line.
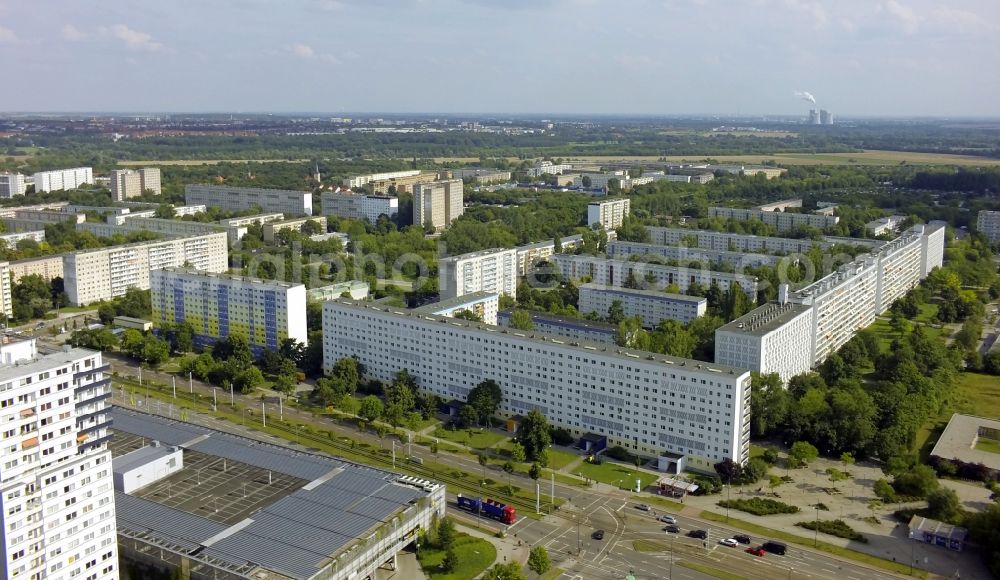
x=700, y=534
x=742, y=538
x=729, y=542
x=756, y=551
x=598, y=535
x=671, y=529
x=668, y=519
x=642, y=506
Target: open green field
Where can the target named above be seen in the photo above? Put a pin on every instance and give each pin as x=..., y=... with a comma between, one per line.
x=149, y=162
x=988, y=445
x=885, y=333
x=710, y=571
x=615, y=474
x=475, y=439
x=474, y=556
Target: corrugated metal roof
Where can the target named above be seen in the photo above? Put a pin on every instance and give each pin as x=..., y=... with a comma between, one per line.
x=175, y=526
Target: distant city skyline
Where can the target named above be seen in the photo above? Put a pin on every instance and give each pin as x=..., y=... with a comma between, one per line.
x=576, y=57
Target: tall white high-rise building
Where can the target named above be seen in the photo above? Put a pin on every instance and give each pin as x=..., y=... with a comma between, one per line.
x=265, y=312
x=126, y=183
x=57, y=496
x=46, y=181
x=6, y=302
x=610, y=214
x=11, y=184
x=486, y=271
x=988, y=224
x=438, y=203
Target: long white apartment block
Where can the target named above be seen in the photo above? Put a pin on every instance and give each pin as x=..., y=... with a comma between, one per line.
x=529, y=255
x=725, y=241
x=265, y=312
x=550, y=168
x=988, y=224
x=610, y=214
x=839, y=305
x=438, y=203
x=49, y=216
x=48, y=267
x=138, y=222
x=650, y=305
x=358, y=205
x=9, y=212
x=56, y=491
x=363, y=180
x=485, y=305
x=600, y=180
x=685, y=255
x=296, y=224
x=783, y=221
x=101, y=274
x=608, y=272
x=12, y=184
x=12, y=239
x=46, y=181
x=232, y=198
x=118, y=219
x=485, y=271
x=775, y=338
x=648, y=403
x=260, y=219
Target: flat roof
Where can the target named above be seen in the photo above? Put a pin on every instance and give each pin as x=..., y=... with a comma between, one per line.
x=448, y=304
x=765, y=319
x=958, y=441
x=247, y=505
x=582, y=345
x=477, y=254
x=224, y=276
x=141, y=456
x=666, y=296
x=131, y=319
x=936, y=528
x=58, y=358
x=583, y=323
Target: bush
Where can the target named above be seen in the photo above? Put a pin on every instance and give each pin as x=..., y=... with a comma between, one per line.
x=562, y=436
x=619, y=453
x=883, y=489
x=760, y=506
x=835, y=528
x=918, y=481
x=707, y=484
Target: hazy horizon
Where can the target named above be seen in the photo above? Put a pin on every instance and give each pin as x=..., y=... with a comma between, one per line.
x=633, y=58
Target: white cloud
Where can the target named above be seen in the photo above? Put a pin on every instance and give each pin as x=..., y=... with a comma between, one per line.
x=7, y=35
x=134, y=39
x=306, y=52
x=70, y=32
x=904, y=16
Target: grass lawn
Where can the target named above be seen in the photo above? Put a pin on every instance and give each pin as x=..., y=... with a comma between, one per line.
x=710, y=571
x=613, y=473
x=762, y=531
x=559, y=459
x=649, y=546
x=666, y=503
x=975, y=394
x=474, y=556
x=988, y=445
x=475, y=439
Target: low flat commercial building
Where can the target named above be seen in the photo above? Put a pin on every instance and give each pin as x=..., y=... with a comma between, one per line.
x=48, y=267
x=295, y=224
x=988, y=224
x=356, y=289
x=486, y=271
x=12, y=185
x=46, y=181
x=358, y=206
x=576, y=329
x=631, y=397
x=483, y=305
x=232, y=198
x=686, y=255
x=274, y=512
x=265, y=312
x=938, y=533
x=140, y=324
x=12, y=239
x=962, y=437
x=529, y=255
x=651, y=306
x=105, y=273
x=608, y=272
x=610, y=214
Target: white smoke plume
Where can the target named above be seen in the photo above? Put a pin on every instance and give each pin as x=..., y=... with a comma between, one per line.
x=806, y=96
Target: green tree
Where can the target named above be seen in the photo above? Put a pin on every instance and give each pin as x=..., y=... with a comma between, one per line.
x=616, y=312
x=248, y=379
x=508, y=571
x=521, y=320
x=801, y=453
x=535, y=471
x=469, y=416
x=284, y=384
x=918, y=481
x=534, y=434
x=883, y=489
x=346, y=369
x=399, y=401
x=517, y=454
x=450, y=561
x=100, y=339
x=943, y=504
x=371, y=408
x=485, y=398
x=446, y=533
x=348, y=404
x=538, y=560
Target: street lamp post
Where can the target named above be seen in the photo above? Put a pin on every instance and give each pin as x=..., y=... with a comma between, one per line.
x=816, y=530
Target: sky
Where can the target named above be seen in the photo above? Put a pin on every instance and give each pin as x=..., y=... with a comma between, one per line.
x=627, y=57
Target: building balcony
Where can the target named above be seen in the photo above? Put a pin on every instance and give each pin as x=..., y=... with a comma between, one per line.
x=29, y=443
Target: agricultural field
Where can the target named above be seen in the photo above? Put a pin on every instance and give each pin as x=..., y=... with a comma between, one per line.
x=148, y=162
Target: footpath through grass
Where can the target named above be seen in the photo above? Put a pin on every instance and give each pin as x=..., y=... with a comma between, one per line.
x=475, y=555
x=821, y=546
